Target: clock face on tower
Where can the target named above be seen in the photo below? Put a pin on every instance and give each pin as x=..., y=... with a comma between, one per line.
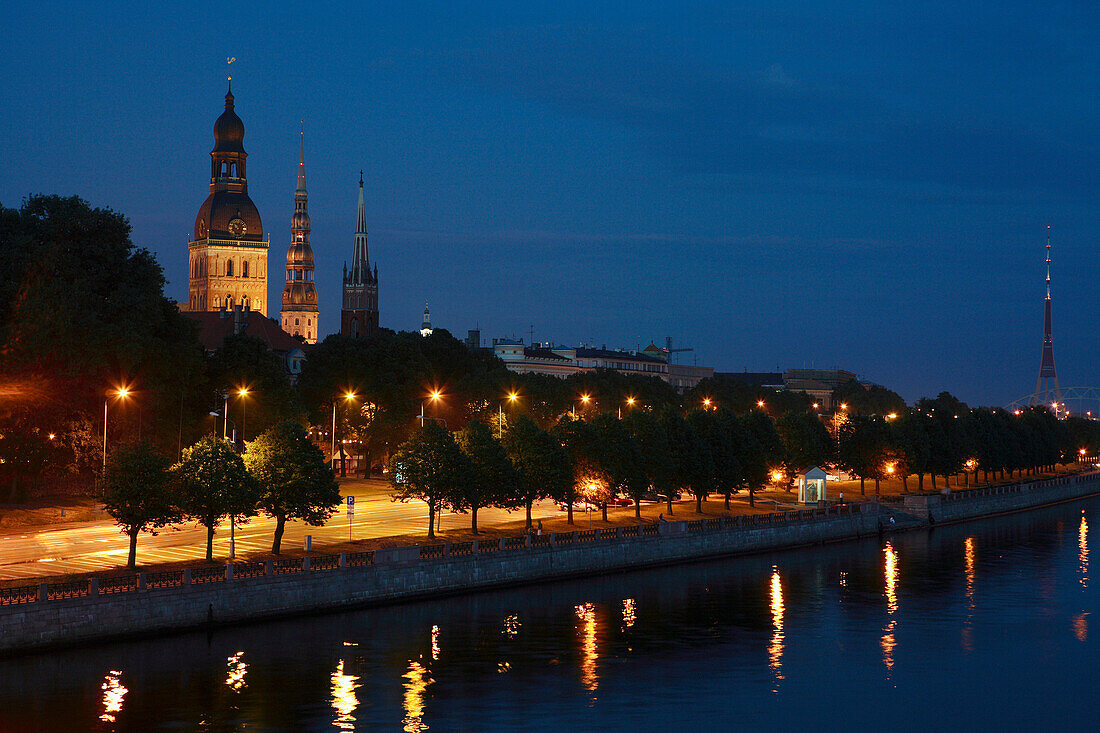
x=237, y=227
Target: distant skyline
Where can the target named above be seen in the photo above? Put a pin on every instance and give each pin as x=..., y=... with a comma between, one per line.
x=837, y=184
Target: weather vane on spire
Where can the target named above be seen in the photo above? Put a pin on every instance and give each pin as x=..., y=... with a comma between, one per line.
x=229, y=60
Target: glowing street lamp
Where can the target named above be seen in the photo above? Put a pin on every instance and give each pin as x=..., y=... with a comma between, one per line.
x=629, y=403
x=348, y=397
x=760, y=403
x=242, y=393
x=584, y=399
x=433, y=396
x=706, y=403
x=512, y=397
x=121, y=393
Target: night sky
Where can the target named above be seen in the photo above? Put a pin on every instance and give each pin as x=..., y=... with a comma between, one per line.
x=779, y=185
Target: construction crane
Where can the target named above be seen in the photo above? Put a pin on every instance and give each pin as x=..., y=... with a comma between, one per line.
x=670, y=351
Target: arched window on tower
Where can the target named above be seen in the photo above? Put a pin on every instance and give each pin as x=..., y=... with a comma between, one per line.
x=229, y=302
x=355, y=328
x=244, y=269
x=229, y=268
x=217, y=302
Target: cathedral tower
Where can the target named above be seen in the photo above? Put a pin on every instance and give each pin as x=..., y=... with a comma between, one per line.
x=299, y=313
x=359, y=316
x=228, y=254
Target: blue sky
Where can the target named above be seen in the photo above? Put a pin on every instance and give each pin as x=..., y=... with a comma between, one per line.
x=777, y=184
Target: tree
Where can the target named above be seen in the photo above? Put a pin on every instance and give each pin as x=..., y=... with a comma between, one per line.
x=656, y=454
x=806, y=442
x=541, y=461
x=81, y=310
x=862, y=448
x=294, y=481
x=761, y=451
x=706, y=452
x=428, y=467
x=214, y=485
x=244, y=361
x=580, y=441
x=622, y=462
x=138, y=494
x=490, y=479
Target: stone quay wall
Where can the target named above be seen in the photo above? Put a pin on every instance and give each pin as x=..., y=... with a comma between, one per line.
x=47, y=615
x=962, y=505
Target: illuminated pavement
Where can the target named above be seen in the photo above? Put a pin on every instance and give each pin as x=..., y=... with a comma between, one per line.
x=81, y=547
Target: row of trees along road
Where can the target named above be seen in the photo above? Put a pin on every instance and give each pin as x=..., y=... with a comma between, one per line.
x=282, y=474
x=943, y=437
x=706, y=452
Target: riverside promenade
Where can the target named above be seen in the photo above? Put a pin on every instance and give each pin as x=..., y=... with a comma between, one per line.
x=46, y=614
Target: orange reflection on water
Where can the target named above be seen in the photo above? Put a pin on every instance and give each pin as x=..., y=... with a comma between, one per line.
x=1083, y=550
x=889, y=639
x=775, y=648
x=586, y=614
x=344, y=700
x=630, y=614
x=435, y=643
x=891, y=578
x=1081, y=626
x=113, y=693
x=418, y=681
x=235, y=671
x=969, y=556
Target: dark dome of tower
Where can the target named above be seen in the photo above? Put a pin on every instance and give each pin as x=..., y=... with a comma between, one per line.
x=299, y=253
x=300, y=220
x=222, y=207
x=228, y=129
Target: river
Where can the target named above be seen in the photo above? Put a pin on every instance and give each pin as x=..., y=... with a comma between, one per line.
x=988, y=625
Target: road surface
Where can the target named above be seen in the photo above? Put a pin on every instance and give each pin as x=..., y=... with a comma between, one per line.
x=81, y=547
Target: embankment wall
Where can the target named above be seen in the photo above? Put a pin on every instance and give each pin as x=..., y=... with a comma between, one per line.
x=92, y=612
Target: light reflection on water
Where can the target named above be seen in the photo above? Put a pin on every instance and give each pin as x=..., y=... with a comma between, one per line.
x=1083, y=550
x=113, y=694
x=235, y=671
x=344, y=700
x=586, y=614
x=417, y=681
x=827, y=639
x=889, y=639
x=775, y=647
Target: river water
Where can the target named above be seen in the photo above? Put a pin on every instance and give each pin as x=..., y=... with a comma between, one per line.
x=990, y=625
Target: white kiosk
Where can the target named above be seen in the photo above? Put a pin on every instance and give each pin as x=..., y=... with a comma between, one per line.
x=812, y=485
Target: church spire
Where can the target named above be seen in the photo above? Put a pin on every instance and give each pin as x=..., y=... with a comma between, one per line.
x=301, y=189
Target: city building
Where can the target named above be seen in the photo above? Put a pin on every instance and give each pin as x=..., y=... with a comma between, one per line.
x=228, y=253
x=359, y=315
x=299, y=314
x=817, y=383
x=561, y=361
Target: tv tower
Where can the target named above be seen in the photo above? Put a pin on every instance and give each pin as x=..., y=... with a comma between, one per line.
x=1047, y=391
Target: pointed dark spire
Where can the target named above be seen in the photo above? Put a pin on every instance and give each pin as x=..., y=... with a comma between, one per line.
x=301, y=163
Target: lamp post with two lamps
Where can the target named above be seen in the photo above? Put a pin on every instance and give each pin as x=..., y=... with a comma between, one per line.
x=433, y=396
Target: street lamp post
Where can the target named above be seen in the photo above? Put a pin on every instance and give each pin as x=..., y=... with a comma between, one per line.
x=121, y=393
x=584, y=399
x=332, y=451
x=243, y=392
x=433, y=396
x=500, y=414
